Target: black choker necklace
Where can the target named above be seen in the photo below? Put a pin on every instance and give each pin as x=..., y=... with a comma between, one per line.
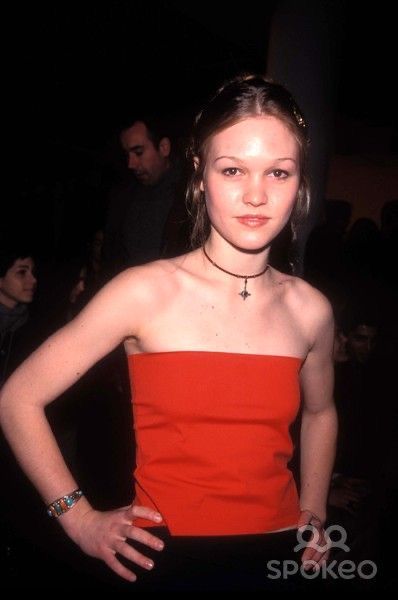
x=244, y=293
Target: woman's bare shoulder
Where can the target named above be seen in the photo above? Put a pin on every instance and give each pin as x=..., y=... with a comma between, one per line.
x=312, y=310
x=306, y=301
x=128, y=300
x=151, y=281
x=305, y=292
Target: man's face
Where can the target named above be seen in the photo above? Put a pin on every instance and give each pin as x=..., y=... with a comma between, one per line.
x=19, y=283
x=361, y=341
x=146, y=161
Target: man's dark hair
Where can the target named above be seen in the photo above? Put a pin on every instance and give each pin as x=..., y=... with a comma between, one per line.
x=156, y=127
x=9, y=253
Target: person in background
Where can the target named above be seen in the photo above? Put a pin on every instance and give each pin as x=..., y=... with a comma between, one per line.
x=146, y=215
x=354, y=394
x=87, y=279
x=17, y=289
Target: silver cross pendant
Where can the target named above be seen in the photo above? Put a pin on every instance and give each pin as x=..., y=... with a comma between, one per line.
x=244, y=293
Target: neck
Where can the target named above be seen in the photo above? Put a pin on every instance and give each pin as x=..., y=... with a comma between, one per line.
x=235, y=260
x=241, y=275
x=7, y=301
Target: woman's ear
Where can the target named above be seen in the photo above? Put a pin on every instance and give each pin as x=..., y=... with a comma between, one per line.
x=196, y=163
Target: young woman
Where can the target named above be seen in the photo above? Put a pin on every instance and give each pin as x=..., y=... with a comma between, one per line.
x=218, y=343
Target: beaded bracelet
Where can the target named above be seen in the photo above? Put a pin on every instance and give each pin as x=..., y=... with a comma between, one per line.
x=63, y=504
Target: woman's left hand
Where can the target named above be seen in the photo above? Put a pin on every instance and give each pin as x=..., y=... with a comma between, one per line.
x=317, y=551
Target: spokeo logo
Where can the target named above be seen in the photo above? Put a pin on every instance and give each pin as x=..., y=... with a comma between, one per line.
x=346, y=569
x=313, y=542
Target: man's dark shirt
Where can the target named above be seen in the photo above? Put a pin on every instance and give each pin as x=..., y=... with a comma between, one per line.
x=138, y=218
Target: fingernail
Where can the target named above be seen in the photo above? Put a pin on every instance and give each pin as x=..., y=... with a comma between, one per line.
x=149, y=564
x=159, y=545
x=158, y=517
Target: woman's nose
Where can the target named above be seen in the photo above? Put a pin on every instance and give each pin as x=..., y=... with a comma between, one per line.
x=256, y=193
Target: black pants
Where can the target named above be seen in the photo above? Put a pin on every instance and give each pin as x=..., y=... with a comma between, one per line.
x=215, y=563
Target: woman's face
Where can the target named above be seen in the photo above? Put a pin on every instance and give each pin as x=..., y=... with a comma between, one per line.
x=251, y=179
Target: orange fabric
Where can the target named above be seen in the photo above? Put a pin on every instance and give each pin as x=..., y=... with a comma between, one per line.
x=213, y=443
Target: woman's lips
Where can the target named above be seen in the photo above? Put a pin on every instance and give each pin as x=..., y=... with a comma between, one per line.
x=253, y=220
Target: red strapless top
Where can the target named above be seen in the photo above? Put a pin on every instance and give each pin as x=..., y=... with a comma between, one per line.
x=213, y=443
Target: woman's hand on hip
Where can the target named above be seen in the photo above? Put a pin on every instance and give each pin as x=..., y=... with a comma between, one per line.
x=104, y=535
x=318, y=549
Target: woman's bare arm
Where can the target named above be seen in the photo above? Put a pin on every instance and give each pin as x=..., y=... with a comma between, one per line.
x=112, y=315
x=319, y=426
x=58, y=363
x=319, y=421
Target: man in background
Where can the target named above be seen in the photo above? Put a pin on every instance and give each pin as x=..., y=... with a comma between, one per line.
x=146, y=217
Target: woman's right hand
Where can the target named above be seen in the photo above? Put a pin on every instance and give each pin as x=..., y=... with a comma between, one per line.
x=105, y=534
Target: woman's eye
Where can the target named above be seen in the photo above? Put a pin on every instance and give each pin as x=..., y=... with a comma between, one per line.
x=231, y=171
x=279, y=174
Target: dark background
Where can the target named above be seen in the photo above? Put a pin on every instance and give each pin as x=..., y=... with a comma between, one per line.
x=78, y=71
